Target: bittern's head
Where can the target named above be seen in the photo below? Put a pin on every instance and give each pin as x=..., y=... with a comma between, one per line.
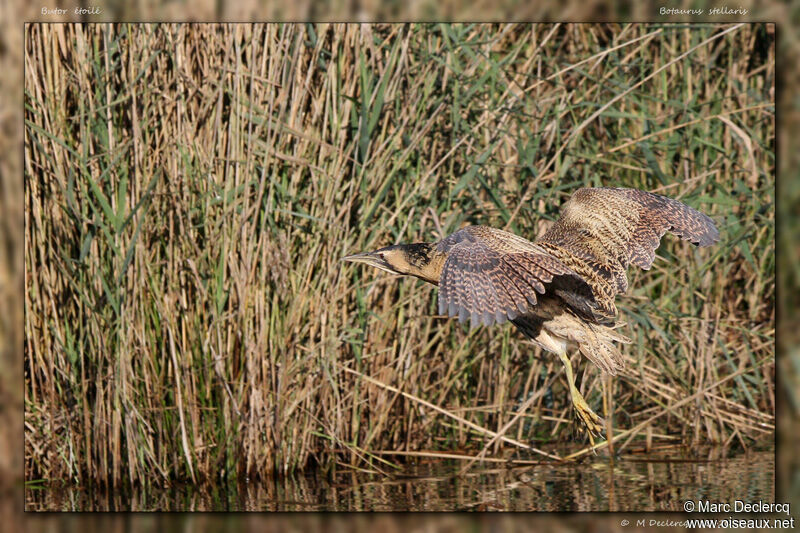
x=404, y=259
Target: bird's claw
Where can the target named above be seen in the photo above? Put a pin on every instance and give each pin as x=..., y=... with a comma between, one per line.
x=591, y=421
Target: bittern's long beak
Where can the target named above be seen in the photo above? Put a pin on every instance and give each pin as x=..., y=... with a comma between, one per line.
x=372, y=259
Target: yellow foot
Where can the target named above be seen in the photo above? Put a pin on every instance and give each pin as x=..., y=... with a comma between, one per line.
x=591, y=421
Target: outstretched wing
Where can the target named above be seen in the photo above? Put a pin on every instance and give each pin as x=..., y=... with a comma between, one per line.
x=601, y=231
x=493, y=276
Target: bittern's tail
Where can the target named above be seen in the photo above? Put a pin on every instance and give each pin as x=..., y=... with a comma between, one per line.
x=598, y=346
x=595, y=341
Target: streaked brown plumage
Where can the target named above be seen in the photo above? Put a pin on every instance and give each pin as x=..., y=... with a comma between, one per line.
x=559, y=289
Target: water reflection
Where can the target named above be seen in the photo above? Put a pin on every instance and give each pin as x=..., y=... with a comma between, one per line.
x=631, y=483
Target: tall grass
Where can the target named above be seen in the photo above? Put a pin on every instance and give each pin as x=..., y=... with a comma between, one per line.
x=190, y=190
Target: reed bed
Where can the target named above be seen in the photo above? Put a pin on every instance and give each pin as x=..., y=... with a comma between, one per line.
x=190, y=189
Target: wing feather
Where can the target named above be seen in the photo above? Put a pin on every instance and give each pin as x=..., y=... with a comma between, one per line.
x=490, y=281
x=509, y=293
x=517, y=289
x=530, y=275
x=601, y=231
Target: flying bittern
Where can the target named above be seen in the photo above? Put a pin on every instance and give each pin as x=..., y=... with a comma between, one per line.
x=560, y=289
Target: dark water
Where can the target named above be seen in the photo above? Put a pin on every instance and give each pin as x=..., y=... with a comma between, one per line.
x=635, y=482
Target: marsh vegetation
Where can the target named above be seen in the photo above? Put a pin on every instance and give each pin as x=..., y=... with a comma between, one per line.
x=190, y=189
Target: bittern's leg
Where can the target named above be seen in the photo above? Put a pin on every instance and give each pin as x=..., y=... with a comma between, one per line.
x=589, y=418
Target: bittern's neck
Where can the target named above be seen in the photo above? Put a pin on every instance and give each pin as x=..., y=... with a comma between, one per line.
x=424, y=261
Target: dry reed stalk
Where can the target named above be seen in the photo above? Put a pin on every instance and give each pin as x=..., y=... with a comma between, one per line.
x=445, y=412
